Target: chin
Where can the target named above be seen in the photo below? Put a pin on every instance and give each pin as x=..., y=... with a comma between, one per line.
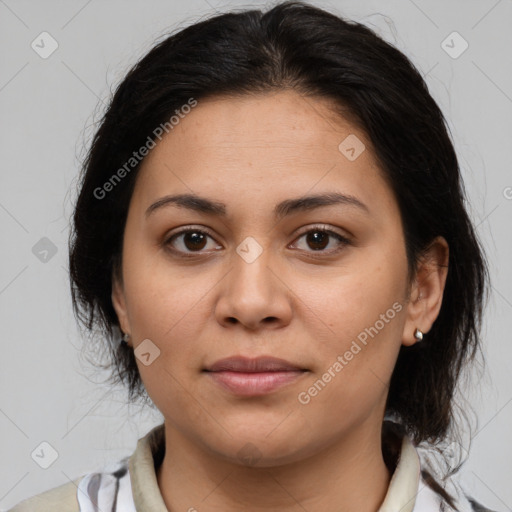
x=251, y=446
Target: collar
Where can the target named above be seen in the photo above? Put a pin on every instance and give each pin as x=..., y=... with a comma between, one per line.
x=407, y=492
x=403, y=487
x=147, y=455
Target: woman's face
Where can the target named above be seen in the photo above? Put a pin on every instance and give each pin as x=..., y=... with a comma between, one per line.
x=263, y=278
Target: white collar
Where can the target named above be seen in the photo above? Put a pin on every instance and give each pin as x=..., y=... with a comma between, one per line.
x=407, y=491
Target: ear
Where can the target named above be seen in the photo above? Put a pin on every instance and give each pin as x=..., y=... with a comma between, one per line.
x=119, y=303
x=426, y=294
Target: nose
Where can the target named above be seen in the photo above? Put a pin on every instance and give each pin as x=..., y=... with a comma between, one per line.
x=254, y=293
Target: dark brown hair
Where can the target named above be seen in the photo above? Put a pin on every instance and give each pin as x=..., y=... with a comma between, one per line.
x=300, y=47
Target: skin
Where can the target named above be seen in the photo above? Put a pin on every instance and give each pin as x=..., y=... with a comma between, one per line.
x=293, y=302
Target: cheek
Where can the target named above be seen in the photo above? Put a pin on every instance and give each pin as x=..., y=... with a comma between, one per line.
x=357, y=357
x=362, y=314
x=168, y=310
x=355, y=298
x=159, y=294
x=170, y=307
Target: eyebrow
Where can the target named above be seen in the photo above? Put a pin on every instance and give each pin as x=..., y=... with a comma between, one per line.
x=282, y=209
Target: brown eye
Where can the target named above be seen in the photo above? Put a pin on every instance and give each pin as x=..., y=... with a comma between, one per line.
x=194, y=240
x=317, y=239
x=188, y=241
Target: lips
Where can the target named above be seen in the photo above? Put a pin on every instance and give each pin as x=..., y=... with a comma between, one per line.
x=252, y=377
x=257, y=365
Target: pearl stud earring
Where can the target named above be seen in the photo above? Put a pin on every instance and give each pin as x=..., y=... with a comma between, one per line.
x=418, y=334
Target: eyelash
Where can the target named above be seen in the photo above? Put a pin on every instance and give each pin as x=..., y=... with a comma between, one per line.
x=320, y=228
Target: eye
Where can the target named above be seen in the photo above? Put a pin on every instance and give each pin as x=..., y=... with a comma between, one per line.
x=192, y=240
x=318, y=238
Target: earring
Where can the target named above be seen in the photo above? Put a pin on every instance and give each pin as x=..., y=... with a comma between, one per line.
x=418, y=334
x=125, y=339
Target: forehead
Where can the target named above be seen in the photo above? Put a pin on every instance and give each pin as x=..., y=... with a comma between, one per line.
x=279, y=120
x=280, y=142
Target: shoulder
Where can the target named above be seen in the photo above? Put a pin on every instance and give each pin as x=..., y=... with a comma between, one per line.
x=103, y=490
x=59, y=499
x=438, y=487
x=455, y=499
x=109, y=488
x=477, y=507
x=452, y=493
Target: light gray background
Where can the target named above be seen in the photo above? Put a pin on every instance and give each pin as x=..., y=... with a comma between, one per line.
x=47, y=392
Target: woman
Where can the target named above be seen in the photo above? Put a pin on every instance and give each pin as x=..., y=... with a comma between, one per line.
x=271, y=215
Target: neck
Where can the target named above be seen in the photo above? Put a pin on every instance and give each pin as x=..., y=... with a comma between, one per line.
x=346, y=476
